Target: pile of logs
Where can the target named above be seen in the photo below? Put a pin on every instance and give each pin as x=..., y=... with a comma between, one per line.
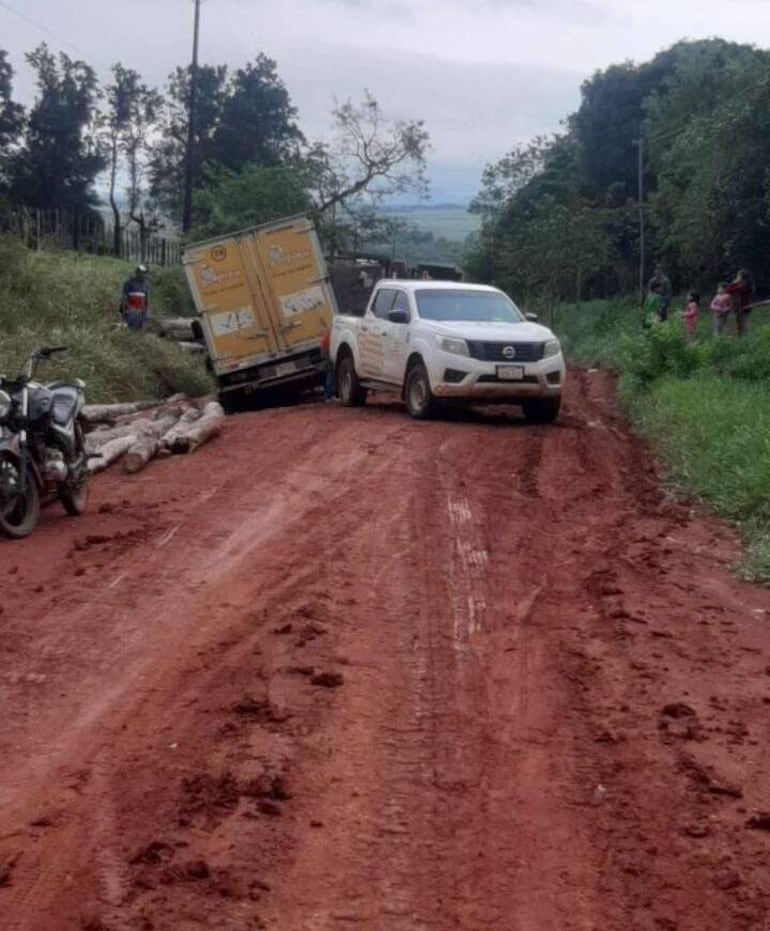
x=180, y=330
x=146, y=430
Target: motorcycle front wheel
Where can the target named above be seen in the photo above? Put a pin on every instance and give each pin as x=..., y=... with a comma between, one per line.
x=74, y=494
x=19, y=507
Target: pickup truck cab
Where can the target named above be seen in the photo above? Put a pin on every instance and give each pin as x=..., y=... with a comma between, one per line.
x=436, y=341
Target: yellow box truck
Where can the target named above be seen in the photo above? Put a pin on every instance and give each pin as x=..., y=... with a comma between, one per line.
x=265, y=300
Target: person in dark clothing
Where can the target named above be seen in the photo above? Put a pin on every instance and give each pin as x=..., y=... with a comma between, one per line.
x=665, y=290
x=135, y=303
x=741, y=289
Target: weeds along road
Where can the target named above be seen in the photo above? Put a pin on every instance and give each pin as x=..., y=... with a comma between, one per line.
x=344, y=670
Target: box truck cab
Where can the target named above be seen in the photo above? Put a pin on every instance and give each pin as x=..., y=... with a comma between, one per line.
x=264, y=299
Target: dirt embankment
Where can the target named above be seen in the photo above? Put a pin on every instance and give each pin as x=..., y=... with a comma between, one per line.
x=345, y=670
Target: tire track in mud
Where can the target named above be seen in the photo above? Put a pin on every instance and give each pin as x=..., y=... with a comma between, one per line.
x=31, y=887
x=507, y=637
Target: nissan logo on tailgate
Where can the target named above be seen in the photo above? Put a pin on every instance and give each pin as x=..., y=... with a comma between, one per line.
x=509, y=352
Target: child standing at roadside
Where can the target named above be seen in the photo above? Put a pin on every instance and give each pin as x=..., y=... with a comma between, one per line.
x=721, y=307
x=690, y=316
x=652, y=305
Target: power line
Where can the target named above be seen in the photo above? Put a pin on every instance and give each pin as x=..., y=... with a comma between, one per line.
x=46, y=31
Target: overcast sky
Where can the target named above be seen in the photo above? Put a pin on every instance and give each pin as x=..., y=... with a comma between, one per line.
x=483, y=74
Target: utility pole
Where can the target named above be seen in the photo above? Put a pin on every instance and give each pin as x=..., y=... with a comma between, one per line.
x=191, y=126
x=640, y=144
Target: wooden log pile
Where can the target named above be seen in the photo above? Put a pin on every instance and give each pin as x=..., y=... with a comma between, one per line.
x=138, y=433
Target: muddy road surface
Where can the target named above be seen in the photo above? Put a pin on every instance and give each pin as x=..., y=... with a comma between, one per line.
x=343, y=670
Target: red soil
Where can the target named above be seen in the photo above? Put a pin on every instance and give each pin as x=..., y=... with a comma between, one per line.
x=340, y=669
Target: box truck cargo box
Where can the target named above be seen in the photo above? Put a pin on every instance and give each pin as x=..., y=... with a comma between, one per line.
x=265, y=300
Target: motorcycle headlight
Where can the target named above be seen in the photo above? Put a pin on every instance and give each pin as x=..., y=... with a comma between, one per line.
x=457, y=346
x=552, y=348
x=5, y=405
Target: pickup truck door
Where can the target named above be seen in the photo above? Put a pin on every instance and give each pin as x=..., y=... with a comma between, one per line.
x=373, y=333
x=395, y=341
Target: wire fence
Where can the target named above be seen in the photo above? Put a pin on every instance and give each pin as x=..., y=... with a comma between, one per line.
x=87, y=232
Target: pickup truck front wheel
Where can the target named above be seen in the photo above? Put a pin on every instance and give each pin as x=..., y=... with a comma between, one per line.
x=349, y=388
x=419, y=398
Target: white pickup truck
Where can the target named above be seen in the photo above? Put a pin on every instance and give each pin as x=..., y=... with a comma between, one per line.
x=450, y=341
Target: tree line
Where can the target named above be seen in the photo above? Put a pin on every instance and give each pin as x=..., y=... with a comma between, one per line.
x=252, y=162
x=561, y=214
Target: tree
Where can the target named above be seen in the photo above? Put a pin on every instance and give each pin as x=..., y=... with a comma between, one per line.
x=243, y=119
x=11, y=114
x=257, y=121
x=131, y=114
x=167, y=164
x=230, y=200
x=503, y=179
x=60, y=155
x=369, y=157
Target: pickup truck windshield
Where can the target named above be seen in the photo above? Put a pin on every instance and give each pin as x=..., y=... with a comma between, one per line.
x=471, y=306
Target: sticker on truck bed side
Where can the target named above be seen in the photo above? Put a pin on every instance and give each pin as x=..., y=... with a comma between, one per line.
x=232, y=321
x=302, y=302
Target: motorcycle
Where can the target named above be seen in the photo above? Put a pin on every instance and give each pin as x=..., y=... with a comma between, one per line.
x=42, y=446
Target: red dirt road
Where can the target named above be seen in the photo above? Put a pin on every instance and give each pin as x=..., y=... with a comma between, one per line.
x=343, y=670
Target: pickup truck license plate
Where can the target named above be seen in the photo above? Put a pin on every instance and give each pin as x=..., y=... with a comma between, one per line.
x=285, y=368
x=510, y=372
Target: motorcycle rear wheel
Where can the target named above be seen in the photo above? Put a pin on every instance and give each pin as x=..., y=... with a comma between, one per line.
x=18, y=518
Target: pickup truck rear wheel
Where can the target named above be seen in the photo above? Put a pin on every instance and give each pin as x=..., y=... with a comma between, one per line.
x=419, y=398
x=541, y=410
x=349, y=388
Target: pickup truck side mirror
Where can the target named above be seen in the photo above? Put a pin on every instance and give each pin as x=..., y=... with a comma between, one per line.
x=398, y=316
x=533, y=318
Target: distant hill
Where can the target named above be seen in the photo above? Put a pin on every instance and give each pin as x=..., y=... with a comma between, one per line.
x=446, y=221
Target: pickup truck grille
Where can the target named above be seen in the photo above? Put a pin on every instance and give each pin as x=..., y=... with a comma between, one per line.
x=493, y=352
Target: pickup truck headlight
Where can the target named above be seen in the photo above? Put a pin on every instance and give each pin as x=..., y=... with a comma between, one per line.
x=5, y=405
x=552, y=348
x=457, y=346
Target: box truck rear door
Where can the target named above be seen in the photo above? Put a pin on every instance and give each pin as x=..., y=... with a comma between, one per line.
x=293, y=273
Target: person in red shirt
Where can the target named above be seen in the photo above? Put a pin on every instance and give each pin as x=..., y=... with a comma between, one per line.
x=741, y=289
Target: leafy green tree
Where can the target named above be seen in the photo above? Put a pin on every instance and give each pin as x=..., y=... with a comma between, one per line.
x=503, y=179
x=232, y=200
x=243, y=119
x=167, y=164
x=11, y=114
x=257, y=123
x=60, y=155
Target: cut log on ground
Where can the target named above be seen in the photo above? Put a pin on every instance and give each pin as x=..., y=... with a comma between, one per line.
x=109, y=413
x=146, y=445
x=187, y=346
x=178, y=328
x=169, y=437
x=110, y=452
x=200, y=431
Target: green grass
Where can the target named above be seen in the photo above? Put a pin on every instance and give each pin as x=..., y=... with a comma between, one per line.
x=705, y=407
x=68, y=299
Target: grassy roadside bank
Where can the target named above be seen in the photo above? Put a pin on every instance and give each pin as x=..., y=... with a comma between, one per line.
x=705, y=407
x=71, y=300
